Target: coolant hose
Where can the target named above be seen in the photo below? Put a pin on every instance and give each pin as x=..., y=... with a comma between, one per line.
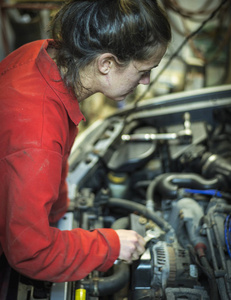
x=107, y=285
x=168, y=184
x=214, y=165
x=141, y=209
x=122, y=223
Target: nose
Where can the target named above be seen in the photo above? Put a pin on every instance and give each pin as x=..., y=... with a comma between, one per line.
x=145, y=79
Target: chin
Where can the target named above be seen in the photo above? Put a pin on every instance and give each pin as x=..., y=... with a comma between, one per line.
x=117, y=98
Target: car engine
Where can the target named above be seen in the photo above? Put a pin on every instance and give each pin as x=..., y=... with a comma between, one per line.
x=163, y=169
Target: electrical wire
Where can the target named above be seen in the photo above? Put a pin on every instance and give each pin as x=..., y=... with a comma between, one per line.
x=175, y=54
x=228, y=234
x=204, y=192
x=174, y=6
x=219, y=38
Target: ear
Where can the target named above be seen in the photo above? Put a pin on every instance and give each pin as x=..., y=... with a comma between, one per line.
x=105, y=62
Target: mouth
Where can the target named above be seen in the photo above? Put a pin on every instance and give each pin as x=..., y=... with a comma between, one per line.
x=131, y=91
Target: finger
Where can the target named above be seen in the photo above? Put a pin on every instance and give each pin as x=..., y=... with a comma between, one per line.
x=141, y=240
x=135, y=256
x=130, y=258
x=140, y=249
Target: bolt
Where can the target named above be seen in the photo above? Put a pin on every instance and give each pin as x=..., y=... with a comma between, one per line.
x=142, y=220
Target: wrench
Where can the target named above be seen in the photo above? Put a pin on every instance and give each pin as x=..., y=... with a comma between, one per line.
x=151, y=234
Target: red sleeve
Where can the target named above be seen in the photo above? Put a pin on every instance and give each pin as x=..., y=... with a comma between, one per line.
x=60, y=206
x=30, y=181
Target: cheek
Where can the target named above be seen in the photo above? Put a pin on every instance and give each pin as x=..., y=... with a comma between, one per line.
x=132, y=82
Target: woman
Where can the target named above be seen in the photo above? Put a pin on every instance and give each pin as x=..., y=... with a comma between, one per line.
x=97, y=46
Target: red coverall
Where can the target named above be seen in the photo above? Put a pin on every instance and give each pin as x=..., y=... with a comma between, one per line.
x=38, y=119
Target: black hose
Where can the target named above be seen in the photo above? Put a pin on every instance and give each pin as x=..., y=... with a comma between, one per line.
x=141, y=209
x=213, y=291
x=201, y=262
x=151, y=189
x=168, y=184
x=107, y=285
x=222, y=208
x=222, y=289
x=122, y=223
x=214, y=165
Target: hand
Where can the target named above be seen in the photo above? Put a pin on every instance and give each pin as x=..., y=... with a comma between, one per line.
x=131, y=245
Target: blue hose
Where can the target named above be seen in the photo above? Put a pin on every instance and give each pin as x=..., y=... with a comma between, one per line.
x=228, y=233
x=204, y=192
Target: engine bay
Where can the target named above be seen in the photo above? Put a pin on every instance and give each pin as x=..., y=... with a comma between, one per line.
x=162, y=169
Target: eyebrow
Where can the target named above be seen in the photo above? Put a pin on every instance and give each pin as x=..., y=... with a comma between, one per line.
x=149, y=69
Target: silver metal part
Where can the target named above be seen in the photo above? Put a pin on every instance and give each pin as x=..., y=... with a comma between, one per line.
x=141, y=137
x=184, y=136
x=60, y=290
x=152, y=234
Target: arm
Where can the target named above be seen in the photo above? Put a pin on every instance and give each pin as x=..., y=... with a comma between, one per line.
x=30, y=186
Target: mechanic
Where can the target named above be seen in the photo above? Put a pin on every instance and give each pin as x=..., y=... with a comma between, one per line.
x=97, y=46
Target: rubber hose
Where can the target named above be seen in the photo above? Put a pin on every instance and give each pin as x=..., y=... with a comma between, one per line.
x=223, y=208
x=211, y=279
x=141, y=209
x=152, y=188
x=222, y=289
x=122, y=223
x=167, y=185
x=108, y=285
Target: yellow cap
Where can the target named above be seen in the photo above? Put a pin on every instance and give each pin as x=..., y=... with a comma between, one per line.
x=80, y=294
x=115, y=178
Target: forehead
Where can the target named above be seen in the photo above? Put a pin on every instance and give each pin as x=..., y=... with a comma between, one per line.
x=153, y=61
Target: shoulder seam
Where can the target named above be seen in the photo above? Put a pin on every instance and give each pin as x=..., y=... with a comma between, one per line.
x=25, y=149
x=15, y=66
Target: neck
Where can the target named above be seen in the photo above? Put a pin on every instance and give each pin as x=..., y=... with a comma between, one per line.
x=83, y=93
x=88, y=82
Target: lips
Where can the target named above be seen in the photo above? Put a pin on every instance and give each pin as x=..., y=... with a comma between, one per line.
x=131, y=91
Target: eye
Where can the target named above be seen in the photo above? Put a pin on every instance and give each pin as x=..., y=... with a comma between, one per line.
x=146, y=73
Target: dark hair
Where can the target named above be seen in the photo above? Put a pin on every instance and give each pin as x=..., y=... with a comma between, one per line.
x=84, y=29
